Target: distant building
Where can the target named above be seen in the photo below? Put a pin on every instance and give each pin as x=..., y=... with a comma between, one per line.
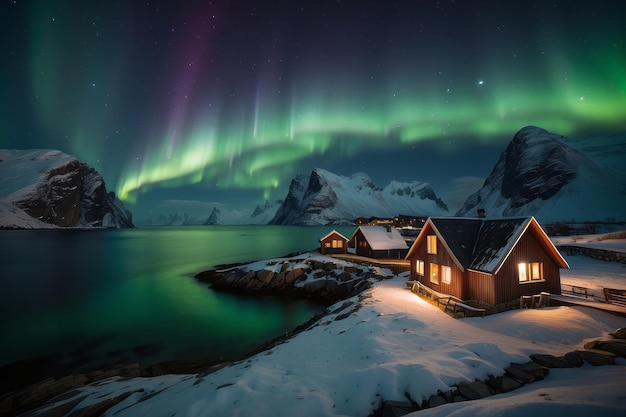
x=492, y=261
x=333, y=242
x=378, y=242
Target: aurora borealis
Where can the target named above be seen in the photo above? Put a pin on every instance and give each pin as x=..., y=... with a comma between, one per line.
x=228, y=100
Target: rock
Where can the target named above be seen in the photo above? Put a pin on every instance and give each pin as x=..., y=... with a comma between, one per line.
x=615, y=346
x=315, y=286
x=329, y=266
x=344, y=276
x=265, y=276
x=526, y=373
x=320, y=274
x=474, y=390
x=574, y=359
x=619, y=333
x=596, y=357
x=397, y=408
x=350, y=269
x=504, y=384
x=293, y=275
x=435, y=401
x=286, y=265
x=550, y=361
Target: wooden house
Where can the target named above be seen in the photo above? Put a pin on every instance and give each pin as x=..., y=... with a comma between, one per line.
x=378, y=242
x=491, y=261
x=333, y=242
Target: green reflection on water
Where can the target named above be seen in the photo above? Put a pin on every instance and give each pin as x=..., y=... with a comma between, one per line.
x=129, y=288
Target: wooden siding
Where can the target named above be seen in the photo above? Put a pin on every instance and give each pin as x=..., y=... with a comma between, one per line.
x=443, y=257
x=506, y=282
x=330, y=250
x=361, y=245
x=480, y=287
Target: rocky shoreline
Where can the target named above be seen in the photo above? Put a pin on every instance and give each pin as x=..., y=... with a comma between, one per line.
x=296, y=275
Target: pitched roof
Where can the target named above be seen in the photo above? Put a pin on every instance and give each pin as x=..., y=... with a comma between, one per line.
x=333, y=232
x=381, y=238
x=484, y=244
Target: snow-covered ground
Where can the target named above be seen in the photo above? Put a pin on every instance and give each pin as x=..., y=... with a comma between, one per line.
x=389, y=344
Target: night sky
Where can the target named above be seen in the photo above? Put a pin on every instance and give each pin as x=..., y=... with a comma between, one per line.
x=182, y=104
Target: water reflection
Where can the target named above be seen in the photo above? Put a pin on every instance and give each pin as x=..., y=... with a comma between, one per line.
x=99, y=297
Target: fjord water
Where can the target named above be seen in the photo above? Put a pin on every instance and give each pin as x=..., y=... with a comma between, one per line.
x=91, y=298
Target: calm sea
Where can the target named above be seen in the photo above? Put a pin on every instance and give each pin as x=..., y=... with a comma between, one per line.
x=92, y=298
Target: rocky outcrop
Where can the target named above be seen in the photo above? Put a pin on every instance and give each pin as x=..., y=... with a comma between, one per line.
x=57, y=189
x=326, y=281
x=596, y=353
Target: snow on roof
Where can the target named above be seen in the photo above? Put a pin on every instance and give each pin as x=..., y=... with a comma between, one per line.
x=330, y=233
x=381, y=238
x=481, y=244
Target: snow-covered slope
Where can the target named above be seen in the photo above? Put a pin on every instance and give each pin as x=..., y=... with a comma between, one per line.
x=44, y=188
x=326, y=198
x=540, y=175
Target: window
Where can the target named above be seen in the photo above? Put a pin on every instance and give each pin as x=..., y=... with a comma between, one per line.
x=419, y=267
x=531, y=271
x=434, y=273
x=431, y=242
x=446, y=274
x=337, y=243
x=327, y=244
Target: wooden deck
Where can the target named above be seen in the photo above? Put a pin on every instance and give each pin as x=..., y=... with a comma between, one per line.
x=586, y=302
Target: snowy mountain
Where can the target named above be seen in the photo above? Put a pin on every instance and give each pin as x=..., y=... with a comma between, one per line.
x=44, y=188
x=262, y=214
x=554, y=179
x=325, y=198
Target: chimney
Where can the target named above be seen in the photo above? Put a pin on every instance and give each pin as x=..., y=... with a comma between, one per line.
x=481, y=213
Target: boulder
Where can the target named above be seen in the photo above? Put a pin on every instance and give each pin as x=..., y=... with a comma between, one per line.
x=344, y=276
x=574, y=359
x=615, y=346
x=329, y=266
x=527, y=372
x=550, y=361
x=620, y=333
x=265, y=276
x=504, y=384
x=435, y=401
x=351, y=269
x=596, y=357
x=286, y=265
x=474, y=390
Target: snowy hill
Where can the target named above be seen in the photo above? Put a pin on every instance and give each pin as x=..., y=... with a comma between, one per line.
x=325, y=198
x=44, y=188
x=554, y=179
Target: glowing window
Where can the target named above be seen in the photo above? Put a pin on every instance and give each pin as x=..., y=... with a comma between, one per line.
x=446, y=274
x=434, y=273
x=337, y=243
x=532, y=271
x=431, y=243
x=419, y=267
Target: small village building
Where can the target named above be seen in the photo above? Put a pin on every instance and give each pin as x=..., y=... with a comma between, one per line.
x=378, y=242
x=493, y=262
x=333, y=242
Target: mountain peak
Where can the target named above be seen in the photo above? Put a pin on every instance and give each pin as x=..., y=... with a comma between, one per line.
x=539, y=174
x=327, y=198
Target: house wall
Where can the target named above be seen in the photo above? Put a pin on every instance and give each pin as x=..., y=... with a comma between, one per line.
x=506, y=282
x=362, y=247
x=330, y=250
x=480, y=286
x=456, y=286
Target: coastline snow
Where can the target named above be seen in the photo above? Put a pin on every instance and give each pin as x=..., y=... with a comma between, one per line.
x=387, y=345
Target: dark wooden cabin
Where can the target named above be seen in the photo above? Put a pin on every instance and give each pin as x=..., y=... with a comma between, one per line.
x=379, y=242
x=492, y=261
x=333, y=242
